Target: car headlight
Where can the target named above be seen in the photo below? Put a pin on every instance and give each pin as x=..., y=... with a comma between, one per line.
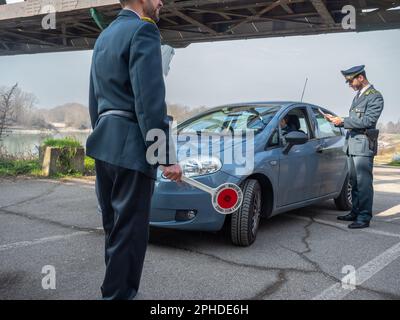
x=199, y=166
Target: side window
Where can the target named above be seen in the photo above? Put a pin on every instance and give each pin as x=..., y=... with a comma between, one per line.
x=295, y=120
x=274, y=139
x=326, y=128
x=303, y=125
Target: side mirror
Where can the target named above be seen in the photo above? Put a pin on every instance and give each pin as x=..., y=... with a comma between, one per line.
x=294, y=138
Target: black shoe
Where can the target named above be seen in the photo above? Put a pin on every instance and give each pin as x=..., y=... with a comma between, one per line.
x=358, y=225
x=347, y=217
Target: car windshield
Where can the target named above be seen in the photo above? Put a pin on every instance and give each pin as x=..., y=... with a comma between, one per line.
x=231, y=119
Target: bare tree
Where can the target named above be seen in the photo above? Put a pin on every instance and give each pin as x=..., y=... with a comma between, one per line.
x=23, y=107
x=7, y=112
x=181, y=113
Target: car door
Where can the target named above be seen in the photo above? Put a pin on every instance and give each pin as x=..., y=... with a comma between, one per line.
x=298, y=168
x=332, y=157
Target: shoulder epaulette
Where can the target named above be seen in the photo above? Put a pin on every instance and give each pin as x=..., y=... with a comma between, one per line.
x=371, y=91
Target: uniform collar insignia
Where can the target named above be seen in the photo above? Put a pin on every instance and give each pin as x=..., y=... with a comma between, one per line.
x=370, y=90
x=148, y=20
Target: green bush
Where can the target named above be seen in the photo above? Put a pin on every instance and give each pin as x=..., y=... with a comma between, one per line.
x=62, y=143
x=68, y=148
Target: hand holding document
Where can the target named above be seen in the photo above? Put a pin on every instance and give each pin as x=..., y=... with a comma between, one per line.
x=327, y=116
x=337, y=121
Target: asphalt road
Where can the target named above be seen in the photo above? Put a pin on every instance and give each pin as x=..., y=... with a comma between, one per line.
x=302, y=254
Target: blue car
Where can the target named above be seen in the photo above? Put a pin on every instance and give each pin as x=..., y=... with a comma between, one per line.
x=297, y=161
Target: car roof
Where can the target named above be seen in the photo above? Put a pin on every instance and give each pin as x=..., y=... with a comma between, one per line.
x=282, y=104
x=252, y=103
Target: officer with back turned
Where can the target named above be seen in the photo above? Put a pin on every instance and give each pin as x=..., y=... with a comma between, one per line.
x=126, y=103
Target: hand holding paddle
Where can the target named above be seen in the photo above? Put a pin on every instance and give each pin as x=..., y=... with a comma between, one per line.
x=226, y=198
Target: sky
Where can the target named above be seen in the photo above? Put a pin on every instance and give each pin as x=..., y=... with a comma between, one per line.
x=217, y=73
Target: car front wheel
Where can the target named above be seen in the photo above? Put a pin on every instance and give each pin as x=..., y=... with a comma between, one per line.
x=245, y=221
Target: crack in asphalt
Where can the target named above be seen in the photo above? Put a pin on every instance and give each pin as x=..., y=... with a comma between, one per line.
x=231, y=262
x=264, y=293
x=315, y=214
x=302, y=254
x=48, y=192
x=332, y=226
x=307, y=236
x=281, y=272
x=384, y=294
x=318, y=269
x=10, y=278
x=271, y=289
x=52, y=222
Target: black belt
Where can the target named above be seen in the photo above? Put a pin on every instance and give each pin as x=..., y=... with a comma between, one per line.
x=120, y=113
x=359, y=131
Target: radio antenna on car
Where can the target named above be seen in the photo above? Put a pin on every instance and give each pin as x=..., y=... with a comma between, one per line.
x=304, y=89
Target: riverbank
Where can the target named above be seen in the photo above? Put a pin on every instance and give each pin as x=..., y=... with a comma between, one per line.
x=21, y=130
x=67, y=159
x=17, y=167
x=25, y=142
x=11, y=167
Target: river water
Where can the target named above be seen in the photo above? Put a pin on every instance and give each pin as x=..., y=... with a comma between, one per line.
x=26, y=143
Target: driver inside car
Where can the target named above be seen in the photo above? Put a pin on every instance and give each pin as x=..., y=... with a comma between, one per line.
x=284, y=123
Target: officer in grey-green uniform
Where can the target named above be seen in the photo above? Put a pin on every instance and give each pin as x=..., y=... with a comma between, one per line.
x=361, y=144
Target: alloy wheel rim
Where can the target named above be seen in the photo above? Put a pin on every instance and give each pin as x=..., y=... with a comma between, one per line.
x=256, y=213
x=349, y=197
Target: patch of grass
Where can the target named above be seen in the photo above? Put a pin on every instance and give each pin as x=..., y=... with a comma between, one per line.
x=395, y=163
x=60, y=175
x=15, y=167
x=62, y=143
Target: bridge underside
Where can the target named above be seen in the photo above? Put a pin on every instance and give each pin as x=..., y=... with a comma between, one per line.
x=187, y=21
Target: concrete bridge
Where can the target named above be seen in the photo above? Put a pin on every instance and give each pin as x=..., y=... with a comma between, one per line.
x=186, y=21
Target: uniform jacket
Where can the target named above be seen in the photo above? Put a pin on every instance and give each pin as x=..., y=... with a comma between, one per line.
x=364, y=114
x=126, y=74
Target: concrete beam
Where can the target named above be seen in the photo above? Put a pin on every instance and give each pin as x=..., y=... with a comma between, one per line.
x=32, y=8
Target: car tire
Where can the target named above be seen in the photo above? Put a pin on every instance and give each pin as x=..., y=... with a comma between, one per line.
x=245, y=221
x=343, y=201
